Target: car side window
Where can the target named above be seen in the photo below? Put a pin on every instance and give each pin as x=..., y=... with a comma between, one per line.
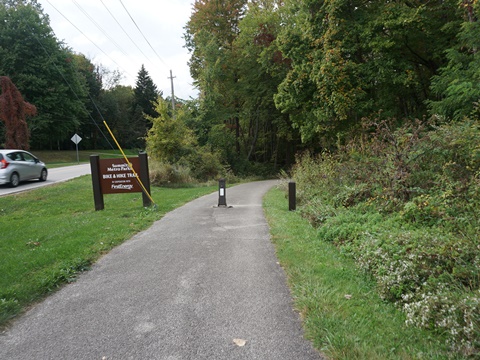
x=13, y=156
x=28, y=158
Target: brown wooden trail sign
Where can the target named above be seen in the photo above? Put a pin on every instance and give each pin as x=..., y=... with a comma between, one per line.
x=114, y=176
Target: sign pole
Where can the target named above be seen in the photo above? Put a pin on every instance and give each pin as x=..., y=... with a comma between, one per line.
x=145, y=179
x=78, y=160
x=97, y=188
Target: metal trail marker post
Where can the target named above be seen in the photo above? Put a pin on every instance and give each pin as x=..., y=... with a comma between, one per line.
x=222, y=196
x=76, y=139
x=292, y=196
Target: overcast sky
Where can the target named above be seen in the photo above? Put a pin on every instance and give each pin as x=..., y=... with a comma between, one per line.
x=104, y=41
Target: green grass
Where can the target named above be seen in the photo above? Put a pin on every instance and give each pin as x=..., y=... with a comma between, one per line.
x=50, y=234
x=69, y=157
x=342, y=312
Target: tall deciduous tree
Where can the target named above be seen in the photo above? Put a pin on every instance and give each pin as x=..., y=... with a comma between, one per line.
x=43, y=70
x=89, y=127
x=352, y=58
x=116, y=105
x=269, y=136
x=327, y=65
x=210, y=36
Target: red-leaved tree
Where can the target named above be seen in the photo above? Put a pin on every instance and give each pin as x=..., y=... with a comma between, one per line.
x=13, y=112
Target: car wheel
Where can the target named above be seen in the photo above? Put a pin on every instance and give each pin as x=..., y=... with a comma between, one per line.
x=14, y=180
x=43, y=175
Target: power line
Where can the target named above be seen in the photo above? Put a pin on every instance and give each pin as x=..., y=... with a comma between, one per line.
x=76, y=95
x=121, y=24
x=88, y=38
x=99, y=27
x=121, y=2
x=125, y=32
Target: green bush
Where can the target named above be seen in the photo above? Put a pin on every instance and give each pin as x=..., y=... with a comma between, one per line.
x=166, y=174
x=405, y=204
x=205, y=164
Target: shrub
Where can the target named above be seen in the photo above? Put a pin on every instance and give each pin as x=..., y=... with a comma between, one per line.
x=205, y=164
x=167, y=174
x=405, y=203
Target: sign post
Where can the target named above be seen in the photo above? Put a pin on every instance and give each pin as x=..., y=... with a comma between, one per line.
x=222, y=196
x=292, y=196
x=76, y=139
x=97, y=190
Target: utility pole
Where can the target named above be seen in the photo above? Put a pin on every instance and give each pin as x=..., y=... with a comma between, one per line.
x=173, y=94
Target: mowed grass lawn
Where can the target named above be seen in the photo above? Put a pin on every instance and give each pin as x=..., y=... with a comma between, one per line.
x=49, y=235
x=69, y=157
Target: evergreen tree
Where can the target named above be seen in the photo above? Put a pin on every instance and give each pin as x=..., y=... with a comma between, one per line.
x=145, y=96
x=458, y=83
x=146, y=93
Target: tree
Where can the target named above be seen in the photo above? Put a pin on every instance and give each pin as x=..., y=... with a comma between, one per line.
x=168, y=139
x=145, y=96
x=13, y=111
x=210, y=35
x=146, y=93
x=268, y=136
x=43, y=71
x=171, y=142
x=116, y=105
x=457, y=85
x=89, y=126
x=351, y=59
x=327, y=65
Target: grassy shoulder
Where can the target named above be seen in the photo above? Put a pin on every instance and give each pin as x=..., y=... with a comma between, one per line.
x=342, y=312
x=55, y=159
x=51, y=234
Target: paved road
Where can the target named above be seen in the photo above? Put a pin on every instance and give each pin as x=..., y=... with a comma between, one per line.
x=54, y=175
x=184, y=289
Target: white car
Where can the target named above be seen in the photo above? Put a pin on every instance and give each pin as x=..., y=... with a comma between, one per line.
x=20, y=165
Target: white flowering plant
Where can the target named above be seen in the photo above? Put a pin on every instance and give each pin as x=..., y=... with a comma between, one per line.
x=405, y=205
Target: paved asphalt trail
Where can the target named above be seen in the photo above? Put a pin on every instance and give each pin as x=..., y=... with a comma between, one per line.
x=184, y=289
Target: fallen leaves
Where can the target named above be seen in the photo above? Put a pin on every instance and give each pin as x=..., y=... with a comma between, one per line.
x=33, y=244
x=239, y=342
